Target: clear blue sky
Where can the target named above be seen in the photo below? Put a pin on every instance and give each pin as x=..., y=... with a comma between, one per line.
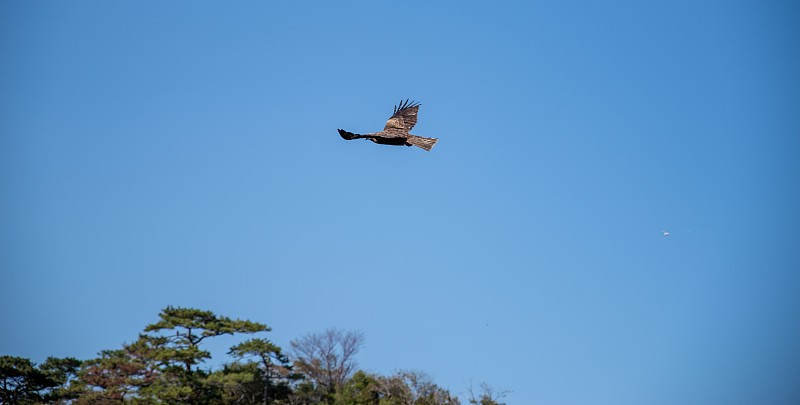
x=185, y=153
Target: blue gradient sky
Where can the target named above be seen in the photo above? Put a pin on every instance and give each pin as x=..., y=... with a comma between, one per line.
x=185, y=153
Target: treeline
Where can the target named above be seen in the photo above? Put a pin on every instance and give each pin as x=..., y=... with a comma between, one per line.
x=163, y=367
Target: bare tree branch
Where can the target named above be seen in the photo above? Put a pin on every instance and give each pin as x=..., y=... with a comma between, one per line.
x=488, y=395
x=327, y=358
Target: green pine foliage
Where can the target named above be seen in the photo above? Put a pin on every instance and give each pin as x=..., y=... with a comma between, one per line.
x=164, y=367
x=23, y=382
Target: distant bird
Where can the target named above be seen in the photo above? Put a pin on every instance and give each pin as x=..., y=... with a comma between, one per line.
x=396, y=131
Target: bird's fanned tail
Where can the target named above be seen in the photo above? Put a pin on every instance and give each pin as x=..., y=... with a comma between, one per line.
x=421, y=141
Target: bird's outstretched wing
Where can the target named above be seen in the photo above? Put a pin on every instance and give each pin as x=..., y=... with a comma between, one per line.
x=404, y=117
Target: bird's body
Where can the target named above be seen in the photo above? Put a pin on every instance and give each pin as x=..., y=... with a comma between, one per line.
x=396, y=131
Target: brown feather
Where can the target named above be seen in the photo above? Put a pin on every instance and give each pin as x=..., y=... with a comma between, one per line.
x=422, y=142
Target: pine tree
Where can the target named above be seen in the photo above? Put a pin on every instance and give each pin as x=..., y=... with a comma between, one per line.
x=176, y=347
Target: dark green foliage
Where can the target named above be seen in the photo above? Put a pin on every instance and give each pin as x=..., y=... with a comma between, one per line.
x=263, y=350
x=361, y=389
x=238, y=383
x=162, y=367
x=273, y=364
x=205, y=321
x=22, y=382
x=244, y=383
x=178, y=354
x=307, y=393
x=192, y=326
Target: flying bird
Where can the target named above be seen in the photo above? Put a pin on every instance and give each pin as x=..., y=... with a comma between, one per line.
x=396, y=131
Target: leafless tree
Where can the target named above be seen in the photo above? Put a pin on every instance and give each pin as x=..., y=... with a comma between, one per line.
x=410, y=387
x=327, y=358
x=487, y=395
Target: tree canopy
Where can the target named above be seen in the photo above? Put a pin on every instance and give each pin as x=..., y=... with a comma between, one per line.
x=164, y=366
x=23, y=382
